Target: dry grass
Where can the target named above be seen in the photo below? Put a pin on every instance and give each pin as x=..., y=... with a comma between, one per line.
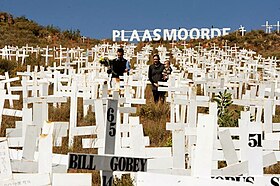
x=152, y=116
x=274, y=169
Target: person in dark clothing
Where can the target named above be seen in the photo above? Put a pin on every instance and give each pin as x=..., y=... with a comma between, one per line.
x=155, y=75
x=118, y=66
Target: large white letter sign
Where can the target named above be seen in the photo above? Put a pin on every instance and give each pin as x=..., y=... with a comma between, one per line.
x=169, y=36
x=116, y=34
x=156, y=34
x=205, y=33
x=123, y=36
x=196, y=35
x=146, y=36
x=134, y=35
x=183, y=36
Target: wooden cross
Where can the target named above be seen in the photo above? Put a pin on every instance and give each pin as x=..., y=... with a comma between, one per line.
x=277, y=26
x=46, y=55
x=83, y=38
x=242, y=30
x=173, y=43
x=268, y=27
x=184, y=44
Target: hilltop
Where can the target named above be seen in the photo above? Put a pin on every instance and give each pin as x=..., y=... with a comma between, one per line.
x=19, y=31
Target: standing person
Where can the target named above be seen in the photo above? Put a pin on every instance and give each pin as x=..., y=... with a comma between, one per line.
x=166, y=71
x=155, y=75
x=118, y=66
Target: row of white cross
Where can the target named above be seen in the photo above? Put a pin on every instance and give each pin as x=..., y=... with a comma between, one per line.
x=269, y=27
x=197, y=142
x=61, y=54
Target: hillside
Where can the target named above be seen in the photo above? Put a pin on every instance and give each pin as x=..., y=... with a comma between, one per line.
x=256, y=40
x=19, y=31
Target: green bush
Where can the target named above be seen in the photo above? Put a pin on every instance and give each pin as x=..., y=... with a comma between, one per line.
x=225, y=115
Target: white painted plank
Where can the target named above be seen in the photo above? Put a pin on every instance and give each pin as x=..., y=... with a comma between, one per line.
x=5, y=165
x=72, y=179
x=151, y=179
x=228, y=147
x=202, y=163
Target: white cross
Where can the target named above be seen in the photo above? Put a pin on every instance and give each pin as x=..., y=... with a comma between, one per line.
x=173, y=44
x=226, y=47
x=277, y=26
x=46, y=55
x=83, y=38
x=242, y=30
x=199, y=47
x=214, y=47
x=267, y=27
x=184, y=44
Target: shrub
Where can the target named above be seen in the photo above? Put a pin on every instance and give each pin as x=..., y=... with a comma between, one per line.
x=7, y=66
x=225, y=115
x=153, y=111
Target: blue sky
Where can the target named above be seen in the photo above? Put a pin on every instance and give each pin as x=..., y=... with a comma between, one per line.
x=97, y=19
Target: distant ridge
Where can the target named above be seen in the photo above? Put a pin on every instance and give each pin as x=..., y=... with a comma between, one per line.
x=19, y=31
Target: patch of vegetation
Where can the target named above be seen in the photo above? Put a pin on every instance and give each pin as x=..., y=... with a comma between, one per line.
x=153, y=111
x=7, y=66
x=20, y=31
x=225, y=115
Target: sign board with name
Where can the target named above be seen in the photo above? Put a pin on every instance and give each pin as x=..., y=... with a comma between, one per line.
x=110, y=138
x=151, y=179
x=168, y=34
x=268, y=180
x=111, y=121
x=106, y=162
